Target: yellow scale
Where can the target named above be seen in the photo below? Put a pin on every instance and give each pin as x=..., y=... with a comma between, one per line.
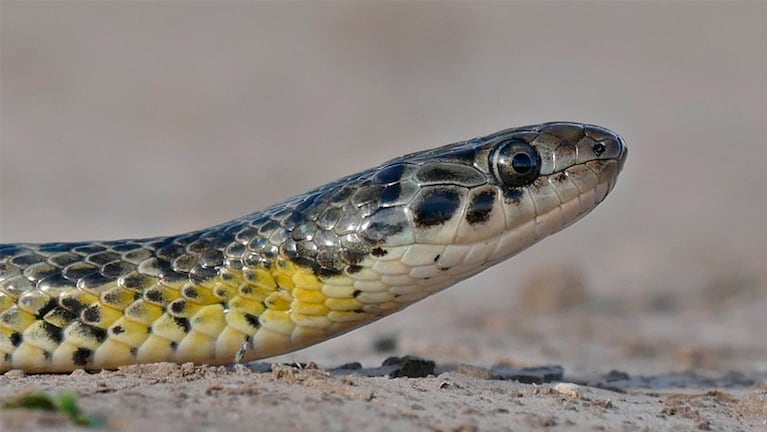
x=276, y=309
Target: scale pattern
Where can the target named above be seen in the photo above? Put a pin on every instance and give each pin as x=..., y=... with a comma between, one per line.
x=310, y=268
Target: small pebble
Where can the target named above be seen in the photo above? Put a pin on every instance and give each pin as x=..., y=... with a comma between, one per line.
x=573, y=391
x=15, y=373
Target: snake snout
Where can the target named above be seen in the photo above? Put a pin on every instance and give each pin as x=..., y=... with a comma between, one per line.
x=624, y=154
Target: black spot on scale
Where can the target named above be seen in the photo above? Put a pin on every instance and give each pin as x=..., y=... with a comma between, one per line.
x=154, y=295
x=173, y=276
x=465, y=155
x=52, y=332
x=26, y=260
x=118, y=329
x=302, y=261
x=177, y=307
x=367, y=195
x=436, y=174
x=448, y=174
x=16, y=339
x=293, y=220
x=390, y=194
x=513, y=195
x=103, y=257
x=252, y=320
x=356, y=293
x=318, y=269
x=183, y=323
x=49, y=306
x=351, y=256
x=71, y=304
x=60, y=315
x=91, y=314
x=112, y=297
x=390, y=174
x=222, y=293
x=200, y=274
x=379, y=251
x=326, y=272
x=88, y=331
x=436, y=207
x=123, y=246
x=377, y=232
x=480, y=207
x=168, y=252
x=81, y=356
x=136, y=281
x=339, y=195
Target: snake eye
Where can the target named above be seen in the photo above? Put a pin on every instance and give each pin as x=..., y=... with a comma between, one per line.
x=515, y=163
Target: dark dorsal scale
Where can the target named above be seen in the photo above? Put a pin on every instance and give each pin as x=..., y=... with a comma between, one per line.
x=480, y=207
x=436, y=206
x=449, y=174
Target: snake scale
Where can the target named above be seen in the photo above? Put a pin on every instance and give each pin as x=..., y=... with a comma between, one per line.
x=315, y=266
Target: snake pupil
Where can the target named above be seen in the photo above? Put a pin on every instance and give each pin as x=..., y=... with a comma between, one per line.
x=522, y=163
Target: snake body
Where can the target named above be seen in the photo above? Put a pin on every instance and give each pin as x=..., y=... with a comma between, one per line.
x=315, y=266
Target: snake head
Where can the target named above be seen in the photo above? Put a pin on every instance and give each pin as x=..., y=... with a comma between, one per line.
x=489, y=197
x=551, y=175
x=518, y=185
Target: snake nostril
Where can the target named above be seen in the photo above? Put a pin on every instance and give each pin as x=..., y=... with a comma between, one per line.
x=598, y=148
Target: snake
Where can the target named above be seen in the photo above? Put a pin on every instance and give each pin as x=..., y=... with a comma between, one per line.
x=313, y=267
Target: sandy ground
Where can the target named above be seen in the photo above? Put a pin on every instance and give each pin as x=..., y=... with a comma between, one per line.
x=132, y=119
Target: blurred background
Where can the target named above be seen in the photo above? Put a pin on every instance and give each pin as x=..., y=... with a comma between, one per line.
x=136, y=119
